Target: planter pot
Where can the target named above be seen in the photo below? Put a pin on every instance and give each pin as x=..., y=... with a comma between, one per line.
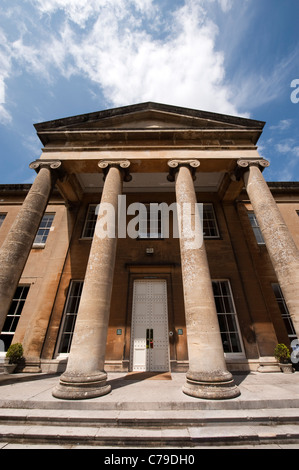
x=9, y=368
x=286, y=368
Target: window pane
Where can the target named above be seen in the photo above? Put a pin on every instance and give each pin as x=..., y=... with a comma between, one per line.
x=289, y=327
x=235, y=342
x=225, y=342
x=222, y=322
x=44, y=229
x=65, y=343
x=2, y=217
x=216, y=288
x=231, y=323
x=219, y=305
x=90, y=222
x=7, y=323
x=228, y=305
x=70, y=316
x=284, y=311
x=69, y=323
x=256, y=229
x=226, y=317
x=13, y=316
x=210, y=228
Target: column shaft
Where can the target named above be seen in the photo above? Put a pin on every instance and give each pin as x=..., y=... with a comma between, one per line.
x=207, y=376
x=37, y=324
x=85, y=376
x=280, y=244
x=17, y=245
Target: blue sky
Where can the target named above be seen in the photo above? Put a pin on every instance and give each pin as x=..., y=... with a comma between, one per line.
x=61, y=58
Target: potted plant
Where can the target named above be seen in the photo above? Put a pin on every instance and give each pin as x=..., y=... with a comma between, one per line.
x=13, y=356
x=283, y=355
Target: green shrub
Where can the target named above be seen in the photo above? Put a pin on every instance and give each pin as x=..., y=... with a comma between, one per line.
x=15, y=353
x=282, y=353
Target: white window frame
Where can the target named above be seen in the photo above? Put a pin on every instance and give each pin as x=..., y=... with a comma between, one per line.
x=214, y=221
x=18, y=300
x=46, y=230
x=65, y=316
x=89, y=218
x=256, y=228
x=286, y=315
x=239, y=354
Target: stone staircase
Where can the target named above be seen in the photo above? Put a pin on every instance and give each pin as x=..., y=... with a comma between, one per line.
x=150, y=414
x=151, y=428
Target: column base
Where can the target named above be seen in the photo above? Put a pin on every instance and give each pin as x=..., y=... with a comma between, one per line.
x=80, y=387
x=214, y=386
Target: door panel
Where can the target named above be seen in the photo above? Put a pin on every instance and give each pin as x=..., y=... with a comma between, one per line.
x=149, y=340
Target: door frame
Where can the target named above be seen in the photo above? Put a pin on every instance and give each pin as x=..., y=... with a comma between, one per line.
x=151, y=330
x=149, y=273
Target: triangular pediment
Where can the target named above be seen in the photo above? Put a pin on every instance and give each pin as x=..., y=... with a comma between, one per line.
x=149, y=116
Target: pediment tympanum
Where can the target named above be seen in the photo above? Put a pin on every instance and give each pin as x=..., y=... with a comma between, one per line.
x=145, y=121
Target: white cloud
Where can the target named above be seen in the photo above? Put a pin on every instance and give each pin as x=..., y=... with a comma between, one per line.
x=130, y=65
x=255, y=87
x=135, y=52
x=283, y=125
x=120, y=52
x=226, y=5
x=5, y=117
x=79, y=11
x=288, y=146
x=5, y=70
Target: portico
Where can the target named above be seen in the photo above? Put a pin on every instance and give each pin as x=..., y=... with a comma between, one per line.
x=154, y=153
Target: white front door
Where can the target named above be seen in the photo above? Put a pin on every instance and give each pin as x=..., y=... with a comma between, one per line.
x=149, y=337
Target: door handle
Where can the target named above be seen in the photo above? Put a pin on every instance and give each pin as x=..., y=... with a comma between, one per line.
x=149, y=338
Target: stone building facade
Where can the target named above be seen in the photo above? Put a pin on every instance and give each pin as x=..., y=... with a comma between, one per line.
x=84, y=304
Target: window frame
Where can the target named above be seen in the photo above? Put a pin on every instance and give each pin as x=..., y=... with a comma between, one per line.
x=286, y=317
x=256, y=228
x=66, y=314
x=2, y=218
x=88, y=220
x=18, y=309
x=214, y=220
x=230, y=354
x=46, y=230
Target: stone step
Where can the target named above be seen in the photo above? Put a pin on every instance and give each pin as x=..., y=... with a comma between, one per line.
x=183, y=436
x=147, y=419
x=204, y=405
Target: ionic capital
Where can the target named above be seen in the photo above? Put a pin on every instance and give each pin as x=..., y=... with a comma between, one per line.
x=174, y=166
x=244, y=165
x=54, y=165
x=122, y=165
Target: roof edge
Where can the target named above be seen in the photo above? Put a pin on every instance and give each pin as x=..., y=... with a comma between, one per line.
x=146, y=106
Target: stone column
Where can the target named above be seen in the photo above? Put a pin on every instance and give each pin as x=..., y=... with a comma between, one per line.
x=37, y=324
x=17, y=245
x=207, y=376
x=85, y=376
x=279, y=242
